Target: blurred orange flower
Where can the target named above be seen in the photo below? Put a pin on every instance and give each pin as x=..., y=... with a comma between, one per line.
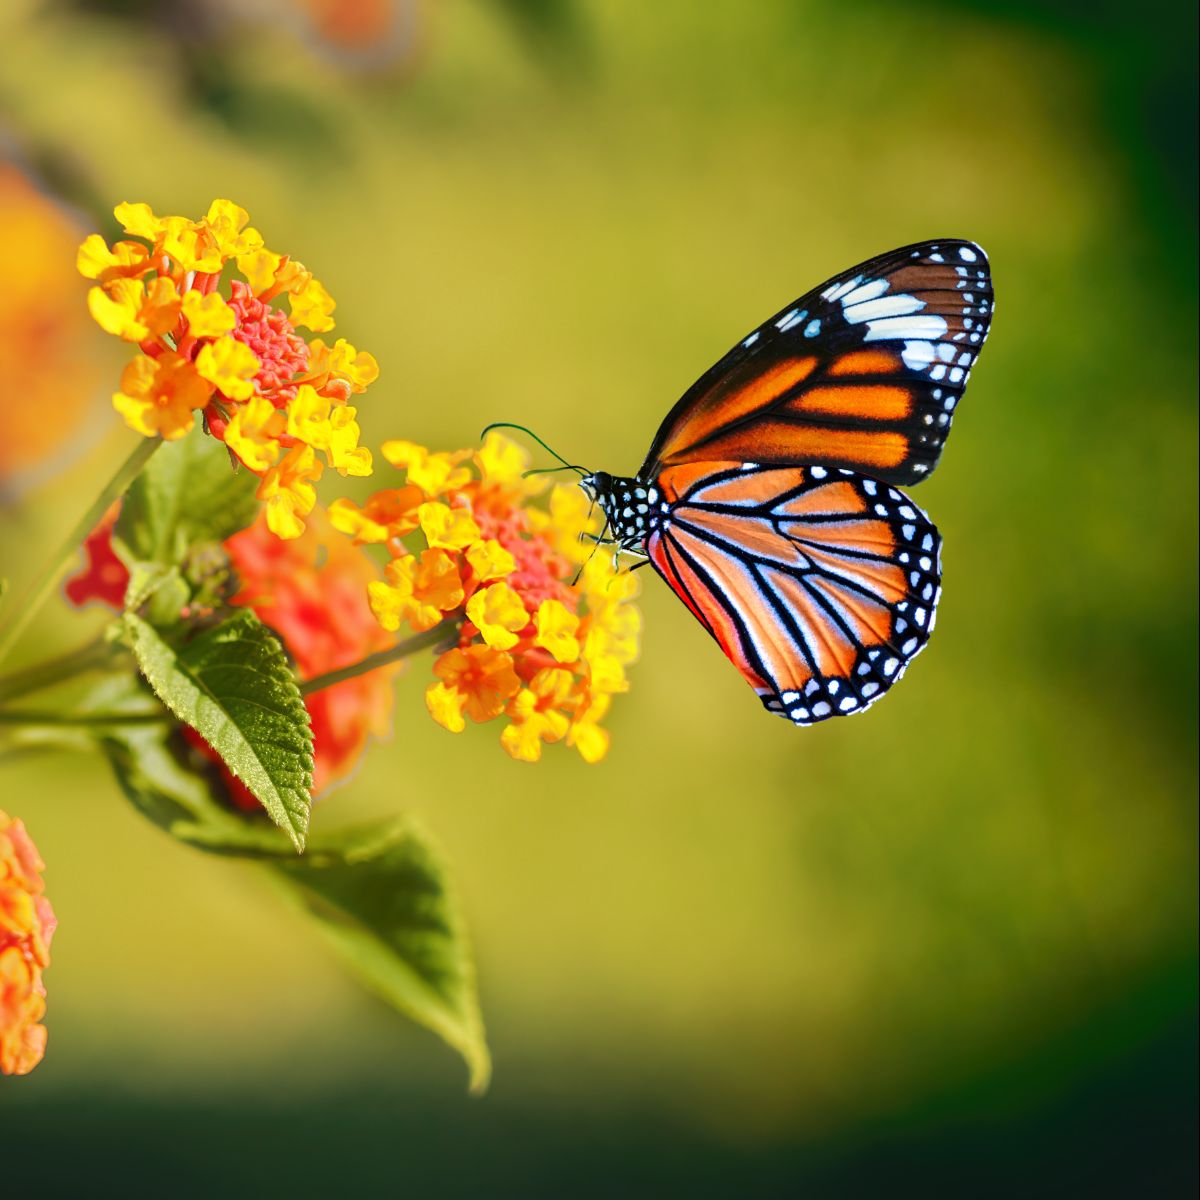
x=274, y=398
x=535, y=645
x=27, y=923
x=49, y=354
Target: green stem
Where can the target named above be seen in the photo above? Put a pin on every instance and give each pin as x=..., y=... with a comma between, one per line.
x=53, y=571
x=35, y=678
x=410, y=646
x=31, y=717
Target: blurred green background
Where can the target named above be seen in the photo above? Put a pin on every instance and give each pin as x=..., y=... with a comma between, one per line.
x=947, y=949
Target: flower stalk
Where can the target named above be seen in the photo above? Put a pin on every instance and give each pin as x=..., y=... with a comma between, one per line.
x=91, y=656
x=440, y=634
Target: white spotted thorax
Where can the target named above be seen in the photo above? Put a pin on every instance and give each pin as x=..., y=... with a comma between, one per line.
x=633, y=509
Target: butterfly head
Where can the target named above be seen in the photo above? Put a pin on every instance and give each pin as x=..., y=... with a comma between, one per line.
x=597, y=486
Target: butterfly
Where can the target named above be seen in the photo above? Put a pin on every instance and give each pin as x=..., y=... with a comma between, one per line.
x=769, y=498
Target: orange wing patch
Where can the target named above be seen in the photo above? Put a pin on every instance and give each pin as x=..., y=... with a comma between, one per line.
x=869, y=403
x=736, y=400
x=867, y=362
x=836, y=497
x=755, y=534
x=746, y=487
x=777, y=441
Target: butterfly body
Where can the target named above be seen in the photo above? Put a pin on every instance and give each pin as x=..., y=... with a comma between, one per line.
x=769, y=499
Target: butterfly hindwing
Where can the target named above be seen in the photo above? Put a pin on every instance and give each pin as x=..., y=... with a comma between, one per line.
x=819, y=584
x=862, y=373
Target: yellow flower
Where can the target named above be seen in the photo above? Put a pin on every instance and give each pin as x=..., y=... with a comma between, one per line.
x=312, y=419
x=498, y=612
x=535, y=715
x=483, y=675
x=489, y=560
x=227, y=223
x=230, y=366
x=191, y=245
x=586, y=734
x=390, y=513
x=567, y=518
x=288, y=491
x=159, y=395
x=313, y=306
x=434, y=474
x=556, y=630
x=139, y=220
x=416, y=593
x=253, y=433
x=500, y=460
x=207, y=315
x=125, y=308
x=345, y=454
x=343, y=362
x=96, y=261
x=445, y=706
x=451, y=528
x=259, y=267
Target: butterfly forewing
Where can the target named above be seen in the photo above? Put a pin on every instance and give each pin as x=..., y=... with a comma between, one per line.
x=862, y=373
x=819, y=584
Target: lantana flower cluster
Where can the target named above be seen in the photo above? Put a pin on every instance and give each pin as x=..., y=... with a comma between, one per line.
x=198, y=300
x=26, y=925
x=541, y=626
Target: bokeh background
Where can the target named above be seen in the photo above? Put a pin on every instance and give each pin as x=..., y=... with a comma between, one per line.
x=949, y=948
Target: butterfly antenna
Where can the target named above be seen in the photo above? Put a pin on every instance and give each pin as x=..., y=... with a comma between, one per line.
x=551, y=470
x=509, y=425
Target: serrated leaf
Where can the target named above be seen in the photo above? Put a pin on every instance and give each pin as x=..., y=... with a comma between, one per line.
x=232, y=684
x=187, y=493
x=380, y=895
x=383, y=900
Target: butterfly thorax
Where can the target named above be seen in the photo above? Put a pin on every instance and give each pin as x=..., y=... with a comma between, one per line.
x=634, y=509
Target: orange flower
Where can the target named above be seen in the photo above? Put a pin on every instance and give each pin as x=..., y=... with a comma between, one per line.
x=27, y=924
x=535, y=645
x=273, y=398
x=485, y=677
x=51, y=356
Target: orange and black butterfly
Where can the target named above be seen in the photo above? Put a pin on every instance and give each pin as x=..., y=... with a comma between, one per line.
x=768, y=500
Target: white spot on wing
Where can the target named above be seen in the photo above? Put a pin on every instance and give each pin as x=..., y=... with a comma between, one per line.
x=885, y=306
x=917, y=355
x=924, y=326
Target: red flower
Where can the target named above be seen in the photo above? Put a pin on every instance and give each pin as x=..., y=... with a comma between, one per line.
x=105, y=577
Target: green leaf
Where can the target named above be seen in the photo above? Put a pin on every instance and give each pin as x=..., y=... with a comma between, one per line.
x=232, y=684
x=188, y=492
x=380, y=895
x=383, y=899
x=182, y=801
